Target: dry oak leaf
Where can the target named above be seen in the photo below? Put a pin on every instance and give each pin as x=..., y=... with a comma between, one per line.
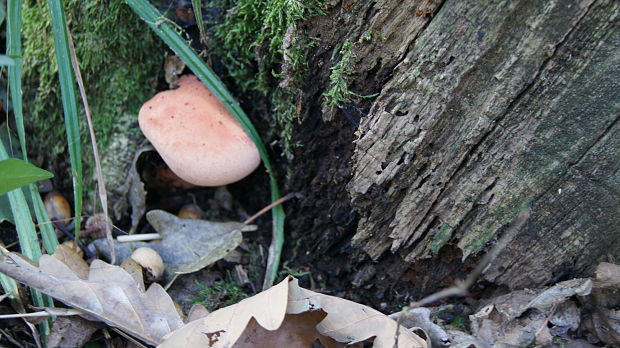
x=287, y=315
x=105, y=292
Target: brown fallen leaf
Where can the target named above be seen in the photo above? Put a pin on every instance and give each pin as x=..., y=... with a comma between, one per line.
x=71, y=332
x=186, y=246
x=607, y=274
x=109, y=293
x=287, y=315
x=516, y=318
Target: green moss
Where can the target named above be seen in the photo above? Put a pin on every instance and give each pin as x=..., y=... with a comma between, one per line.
x=339, y=92
x=483, y=234
x=250, y=42
x=219, y=294
x=119, y=59
x=440, y=238
x=459, y=320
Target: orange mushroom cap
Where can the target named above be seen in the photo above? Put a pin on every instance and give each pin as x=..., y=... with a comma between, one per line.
x=197, y=136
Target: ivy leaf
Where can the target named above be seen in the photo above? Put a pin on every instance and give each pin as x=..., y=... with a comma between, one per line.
x=15, y=173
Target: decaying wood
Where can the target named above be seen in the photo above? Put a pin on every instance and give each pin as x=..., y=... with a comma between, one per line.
x=484, y=107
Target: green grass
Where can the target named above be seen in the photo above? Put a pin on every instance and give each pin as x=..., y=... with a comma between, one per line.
x=69, y=104
x=26, y=231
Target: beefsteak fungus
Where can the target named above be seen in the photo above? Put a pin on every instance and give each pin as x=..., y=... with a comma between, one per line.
x=197, y=136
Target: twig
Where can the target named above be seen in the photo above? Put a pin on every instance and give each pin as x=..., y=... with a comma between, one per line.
x=63, y=228
x=269, y=207
x=138, y=237
x=42, y=314
x=52, y=312
x=35, y=333
x=544, y=324
x=11, y=339
x=461, y=287
x=100, y=181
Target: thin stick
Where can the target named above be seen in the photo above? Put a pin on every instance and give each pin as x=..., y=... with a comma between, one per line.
x=11, y=339
x=53, y=312
x=269, y=207
x=138, y=237
x=41, y=314
x=103, y=196
x=60, y=220
x=460, y=287
x=35, y=333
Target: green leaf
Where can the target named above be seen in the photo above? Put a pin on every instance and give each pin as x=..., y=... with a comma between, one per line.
x=15, y=173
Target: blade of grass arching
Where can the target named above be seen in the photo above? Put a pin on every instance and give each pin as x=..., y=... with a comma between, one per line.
x=48, y=235
x=168, y=33
x=69, y=103
x=103, y=196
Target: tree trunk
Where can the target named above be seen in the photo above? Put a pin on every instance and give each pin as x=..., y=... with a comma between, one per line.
x=484, y=107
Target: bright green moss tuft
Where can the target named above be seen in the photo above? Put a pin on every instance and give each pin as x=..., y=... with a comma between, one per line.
x=250, y=42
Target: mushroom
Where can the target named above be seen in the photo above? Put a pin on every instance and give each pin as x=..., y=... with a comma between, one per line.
x=150, y=260
x=197, y=136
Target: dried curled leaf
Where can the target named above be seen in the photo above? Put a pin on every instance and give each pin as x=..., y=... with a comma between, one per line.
x=105, y=292
x=186, y=245
x=287, y=315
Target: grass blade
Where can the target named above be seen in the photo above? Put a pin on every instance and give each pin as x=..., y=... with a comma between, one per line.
x=168, y=33
x=27, y=234
x=197, y=6
x=69, y=103
x=50, y=241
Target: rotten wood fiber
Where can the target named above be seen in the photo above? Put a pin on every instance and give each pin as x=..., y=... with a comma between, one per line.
x=495, y=105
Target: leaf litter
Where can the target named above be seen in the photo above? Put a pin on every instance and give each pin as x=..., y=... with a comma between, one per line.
x=285, y=314
x=186, y=245
x=108, y=293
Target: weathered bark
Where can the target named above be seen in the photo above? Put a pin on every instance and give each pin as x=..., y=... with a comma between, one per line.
x=485, y=107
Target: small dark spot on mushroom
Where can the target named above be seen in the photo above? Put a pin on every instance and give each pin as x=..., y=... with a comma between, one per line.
x=150, y=107
x=171, y=116
x=203, y=144
x=186, y=103
x=210, y=94
x=220, y=122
